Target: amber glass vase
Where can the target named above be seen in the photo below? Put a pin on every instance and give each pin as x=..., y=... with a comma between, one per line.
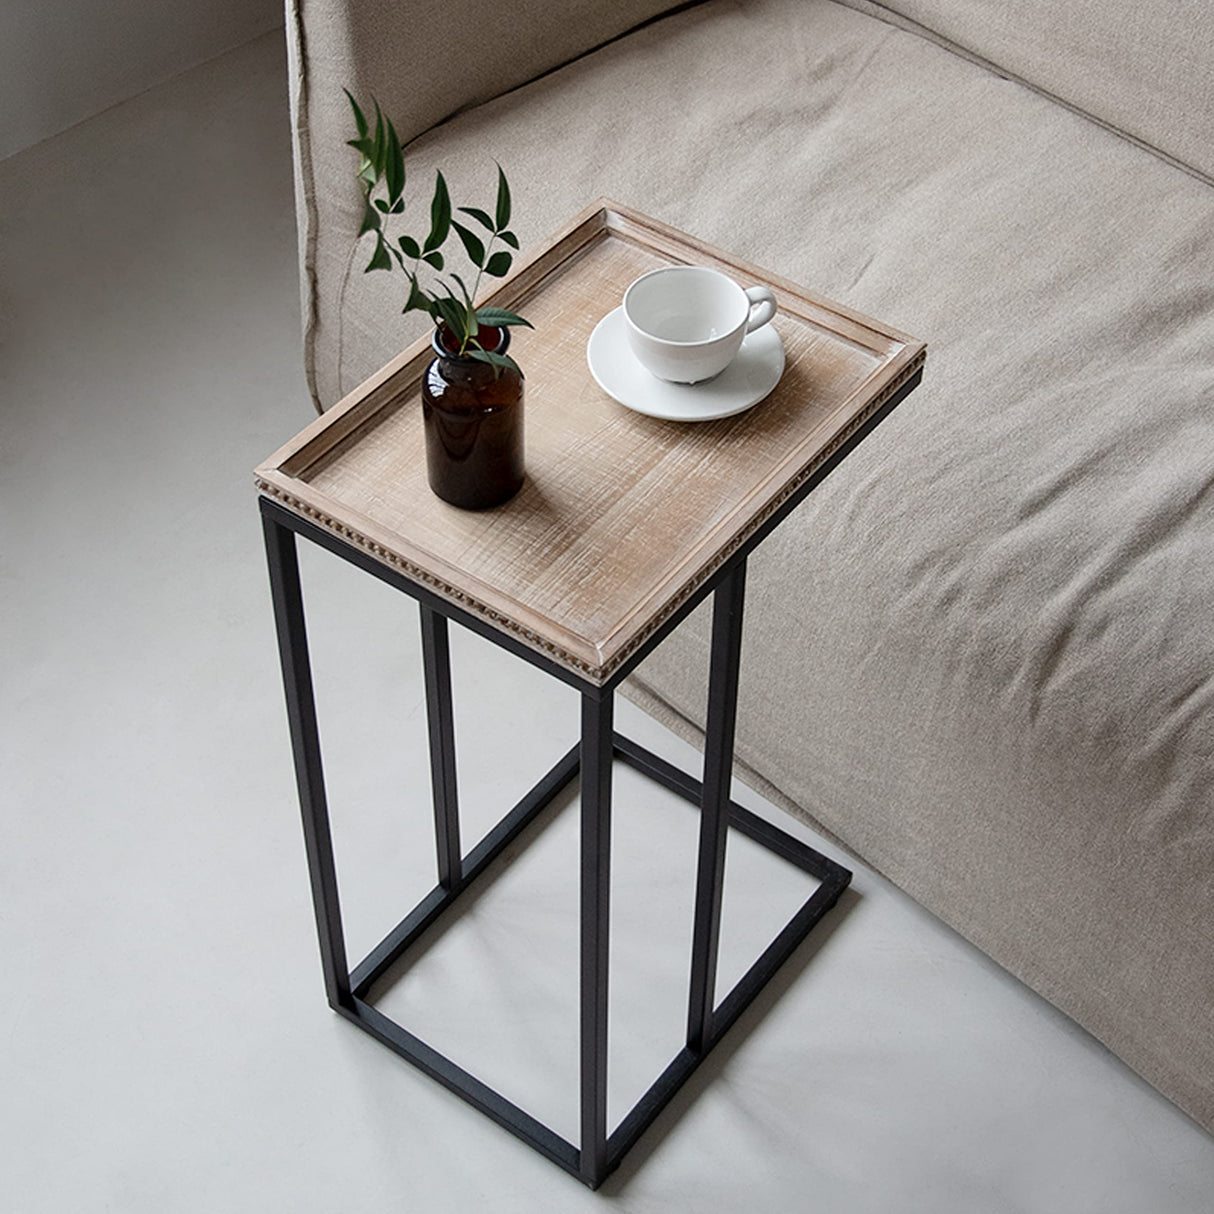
x=473, y=415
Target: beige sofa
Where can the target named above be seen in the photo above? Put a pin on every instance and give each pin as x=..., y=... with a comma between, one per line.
x=982, y=654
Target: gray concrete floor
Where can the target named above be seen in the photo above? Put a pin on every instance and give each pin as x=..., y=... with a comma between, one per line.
x=164, y=1041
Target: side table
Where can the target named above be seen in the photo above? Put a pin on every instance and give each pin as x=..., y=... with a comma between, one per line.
x=625, y=524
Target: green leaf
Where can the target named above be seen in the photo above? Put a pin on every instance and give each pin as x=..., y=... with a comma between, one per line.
x=509, y=238
x=359, y=120
x=434, y=259
x=463, y=286
x=499, y=264
x=440, y=215
x=379, y=259
x=453, y=316
x=496, y=360
x=418, y=300
x=500, y=317
x=366, y=174
x=479, y=216
x=371, y=221
x=398, y=206
x=379, y=155
x=381, y=206
x=395, y=167
x=443, y=312
x=409, y=247
x=471, y=243
x=503, y=200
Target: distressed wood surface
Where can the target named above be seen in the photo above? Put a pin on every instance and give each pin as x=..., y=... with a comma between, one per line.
x=622, y=516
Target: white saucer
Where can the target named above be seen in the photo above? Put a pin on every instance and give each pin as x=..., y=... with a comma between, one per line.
x=745, y=382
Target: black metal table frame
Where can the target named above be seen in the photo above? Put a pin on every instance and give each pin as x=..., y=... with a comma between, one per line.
x=599, y=1151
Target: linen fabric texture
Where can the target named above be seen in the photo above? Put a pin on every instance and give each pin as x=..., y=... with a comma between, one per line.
x=980, y=654
x=1144, y=69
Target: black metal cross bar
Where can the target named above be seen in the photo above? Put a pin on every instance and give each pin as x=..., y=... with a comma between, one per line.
x=601, y=1148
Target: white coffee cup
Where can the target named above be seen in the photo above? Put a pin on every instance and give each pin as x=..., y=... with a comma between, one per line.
x=686, y=323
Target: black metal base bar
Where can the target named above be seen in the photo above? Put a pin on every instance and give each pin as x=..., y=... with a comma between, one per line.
x=398, y=941
x=592, y=1171
x=833, y=878
x=723, y=1017
x=644, y=1112
x=468, y=1087
x=740, y=818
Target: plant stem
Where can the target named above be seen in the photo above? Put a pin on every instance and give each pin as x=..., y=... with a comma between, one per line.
x=480, y=270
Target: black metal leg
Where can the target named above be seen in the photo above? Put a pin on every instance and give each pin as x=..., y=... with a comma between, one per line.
x=440, y=716
x=728, y=600
x=597, y=751
x=305, y=744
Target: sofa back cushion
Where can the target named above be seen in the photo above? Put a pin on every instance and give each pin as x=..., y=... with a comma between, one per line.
x=1144, y=67
x=424, y=62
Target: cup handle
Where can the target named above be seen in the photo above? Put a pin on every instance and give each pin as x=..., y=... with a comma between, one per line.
x=762, y=307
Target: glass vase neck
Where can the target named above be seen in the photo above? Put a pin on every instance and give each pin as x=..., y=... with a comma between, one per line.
x=492, y=338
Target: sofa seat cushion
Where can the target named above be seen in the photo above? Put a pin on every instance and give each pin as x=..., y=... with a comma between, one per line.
x=981, y=653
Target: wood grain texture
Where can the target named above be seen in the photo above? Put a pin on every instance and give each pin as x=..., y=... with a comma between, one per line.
x=622, y=516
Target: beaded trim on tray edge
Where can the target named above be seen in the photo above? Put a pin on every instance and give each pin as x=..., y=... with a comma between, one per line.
x=598, y=674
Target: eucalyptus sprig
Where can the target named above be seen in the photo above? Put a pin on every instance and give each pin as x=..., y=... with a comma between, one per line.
x=449, y=302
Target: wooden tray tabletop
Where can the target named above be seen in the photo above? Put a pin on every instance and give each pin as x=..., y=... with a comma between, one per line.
x=622, y=517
